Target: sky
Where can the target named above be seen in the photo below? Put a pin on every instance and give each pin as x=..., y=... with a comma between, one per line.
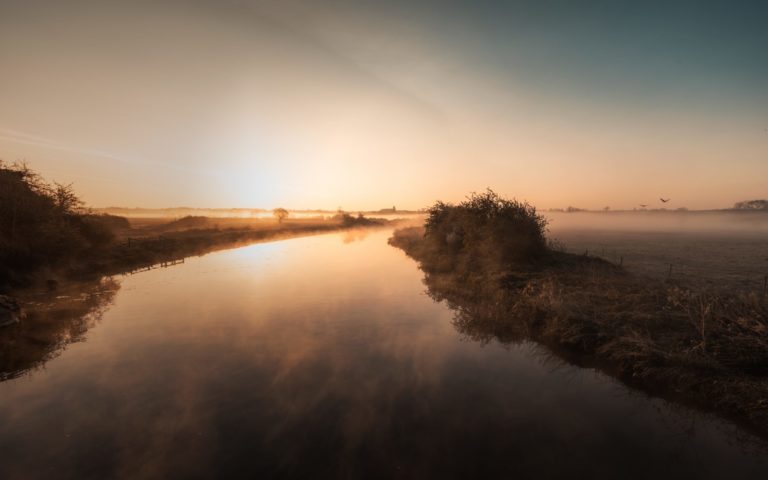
x=368, y=104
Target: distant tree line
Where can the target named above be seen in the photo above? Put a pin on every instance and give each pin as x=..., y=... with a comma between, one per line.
x=751, y=205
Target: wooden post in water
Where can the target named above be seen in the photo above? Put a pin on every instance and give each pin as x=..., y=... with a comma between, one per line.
x=669, y=275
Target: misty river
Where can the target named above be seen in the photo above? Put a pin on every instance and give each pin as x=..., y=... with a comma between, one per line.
x=324, y=357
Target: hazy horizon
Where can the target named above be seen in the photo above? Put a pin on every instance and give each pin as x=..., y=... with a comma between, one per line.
x=331, y=103
x=421, y=210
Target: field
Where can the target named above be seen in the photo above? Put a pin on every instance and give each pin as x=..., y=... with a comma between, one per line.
x=719, y=251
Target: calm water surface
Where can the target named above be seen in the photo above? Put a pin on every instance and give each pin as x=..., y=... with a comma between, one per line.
x=323, y=357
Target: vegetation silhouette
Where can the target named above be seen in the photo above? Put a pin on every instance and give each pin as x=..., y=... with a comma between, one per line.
x=506, y=283
x=751, y=205
x=187, y=222
x=280, y=214
x=348, y=221
x=469, y=234
x=43, y=223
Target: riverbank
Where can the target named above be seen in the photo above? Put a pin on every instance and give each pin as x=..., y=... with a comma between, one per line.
x=702, y=348
x=138, y=252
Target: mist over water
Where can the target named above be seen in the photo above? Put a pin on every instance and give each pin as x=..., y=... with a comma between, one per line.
x=323, y=357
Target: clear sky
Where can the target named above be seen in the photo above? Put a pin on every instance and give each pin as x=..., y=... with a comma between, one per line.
x=366, y=104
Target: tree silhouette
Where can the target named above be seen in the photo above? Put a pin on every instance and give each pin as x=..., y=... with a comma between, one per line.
x=44, y=224
x=280, y=214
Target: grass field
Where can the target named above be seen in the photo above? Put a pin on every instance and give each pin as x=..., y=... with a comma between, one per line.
x=705, y=259
x=720, y=252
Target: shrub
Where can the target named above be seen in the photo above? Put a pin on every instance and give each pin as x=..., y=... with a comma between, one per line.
x=187, y=223
x=486, y=232
x=111, y=222
x=348, y=220
x=41, y=223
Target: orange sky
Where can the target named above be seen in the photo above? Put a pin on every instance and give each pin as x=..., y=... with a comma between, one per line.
x=326, y=104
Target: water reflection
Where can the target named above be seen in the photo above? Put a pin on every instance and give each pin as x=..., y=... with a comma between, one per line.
x=53, y=321
x=314, y=358
x=355, y=235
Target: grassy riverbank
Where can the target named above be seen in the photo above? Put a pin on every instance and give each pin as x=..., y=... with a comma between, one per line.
x=137, y=252
x=490, y=261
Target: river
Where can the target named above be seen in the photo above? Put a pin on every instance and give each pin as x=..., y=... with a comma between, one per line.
x=324, y=357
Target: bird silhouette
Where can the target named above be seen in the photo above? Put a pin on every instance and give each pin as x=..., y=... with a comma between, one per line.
x=664, y=200
x=643, y=205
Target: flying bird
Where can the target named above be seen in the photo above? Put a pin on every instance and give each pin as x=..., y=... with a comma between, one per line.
x=643, y=205
x=664, y=200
